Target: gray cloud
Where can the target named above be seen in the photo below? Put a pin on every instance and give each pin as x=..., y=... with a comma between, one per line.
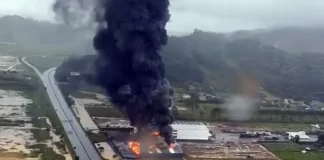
x=211, y=15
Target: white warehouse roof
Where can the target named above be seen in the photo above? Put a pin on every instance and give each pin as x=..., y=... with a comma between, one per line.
x=301, y=134
x=190, y=131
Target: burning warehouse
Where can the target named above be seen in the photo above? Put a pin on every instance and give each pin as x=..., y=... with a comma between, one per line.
x=183, y=131
x=129, y=64
x=147, y=146
x=128, y=42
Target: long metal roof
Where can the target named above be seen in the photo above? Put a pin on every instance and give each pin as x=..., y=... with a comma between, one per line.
x=190, y=130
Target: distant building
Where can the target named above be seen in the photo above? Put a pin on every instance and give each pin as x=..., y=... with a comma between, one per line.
x=303, y=138
x=286, y=101
x=202, y=97
x=209, y=96
x=116, y=126
x=190, y=131
x=302, y=135
x=274, y=102
x=75, y=73
x=185, y=96
x=192, y=88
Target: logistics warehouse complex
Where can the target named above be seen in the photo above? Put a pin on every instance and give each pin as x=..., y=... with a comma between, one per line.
x=193, y=140
x=182, y=130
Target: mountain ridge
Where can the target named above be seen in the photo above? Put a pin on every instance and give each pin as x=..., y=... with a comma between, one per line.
x=292, y=39
x=212, y=61
x=209, y=59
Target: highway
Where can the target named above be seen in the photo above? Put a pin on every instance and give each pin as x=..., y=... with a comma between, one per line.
x=83, y=147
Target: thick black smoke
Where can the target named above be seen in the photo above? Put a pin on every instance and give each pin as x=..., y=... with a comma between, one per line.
x=129, y=40
x=130, y=67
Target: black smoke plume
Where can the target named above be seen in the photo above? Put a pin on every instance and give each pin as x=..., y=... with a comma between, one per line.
x=130, y=37
x=129, y=64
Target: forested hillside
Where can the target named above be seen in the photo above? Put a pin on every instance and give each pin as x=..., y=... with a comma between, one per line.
x=211, y=59
x=20, y=36
x=203, y=58
x=293, y=39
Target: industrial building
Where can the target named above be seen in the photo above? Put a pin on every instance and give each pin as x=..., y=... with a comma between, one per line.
x=191, y=143
x=182, y=130
x=190, y=131
x=143, y=150
x=116, y=125
x=128, y=143
x=302, y=135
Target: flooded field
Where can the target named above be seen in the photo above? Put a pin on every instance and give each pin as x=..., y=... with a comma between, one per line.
x=8, y=62
x=19, y=138
x=15, y=139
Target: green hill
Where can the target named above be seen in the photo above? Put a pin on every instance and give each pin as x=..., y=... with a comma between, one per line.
x=20, y=36
x=211, y=60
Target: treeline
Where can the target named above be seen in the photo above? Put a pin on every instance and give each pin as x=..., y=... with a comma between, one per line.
x=220, y=115
x=277, y=116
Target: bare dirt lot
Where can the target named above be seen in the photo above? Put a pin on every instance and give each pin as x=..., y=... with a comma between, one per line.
x=228, y=150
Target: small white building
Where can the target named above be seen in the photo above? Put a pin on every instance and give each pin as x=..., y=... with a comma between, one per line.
x=302, y=135
x=315, y=127
x=209, y=96
x=185, y=96
x=190, y=131
x=74, y=73
x=202, y=97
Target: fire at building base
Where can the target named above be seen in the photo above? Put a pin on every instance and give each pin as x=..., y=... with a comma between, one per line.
x=141, y=145
x=149, y=145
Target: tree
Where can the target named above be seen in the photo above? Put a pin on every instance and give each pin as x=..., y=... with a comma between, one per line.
x=320, y=140
x=175, y=111
x=194, y=100
x=296, y=139
x=215, y=113
x=201, y=114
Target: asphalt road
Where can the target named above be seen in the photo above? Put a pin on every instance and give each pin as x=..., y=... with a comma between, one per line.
x=83, y=147
x=31, y=66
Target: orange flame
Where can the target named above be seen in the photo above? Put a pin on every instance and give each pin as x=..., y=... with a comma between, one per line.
x=156, y=134
x=135, y=147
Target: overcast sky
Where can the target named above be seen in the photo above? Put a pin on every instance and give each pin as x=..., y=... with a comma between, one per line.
x=210, y=15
